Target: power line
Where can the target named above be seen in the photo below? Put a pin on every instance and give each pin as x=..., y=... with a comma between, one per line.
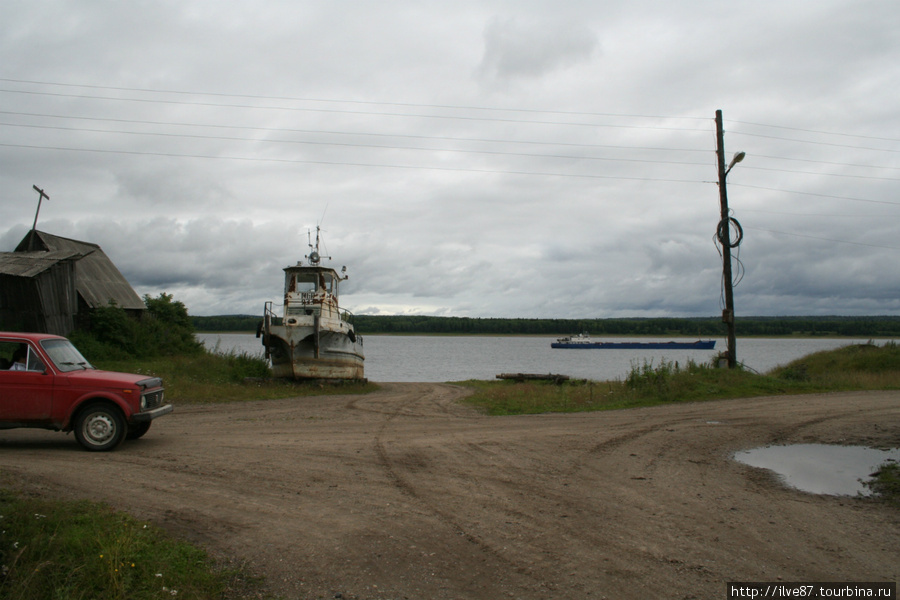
x=824, y=162
x=832, y=144
x=444, y=138
x=833, y=216
x=348, y=164
x=856, y=135
x=345, y=101
x=813, y=237
x=353, y=133
x=357, y=145
x=423, y=105
x=421, y=137
x=835, y=197
x=486, y=114
x=848, y=175
x=353, y=112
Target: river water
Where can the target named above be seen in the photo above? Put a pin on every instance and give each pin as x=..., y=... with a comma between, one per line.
x=457, y=358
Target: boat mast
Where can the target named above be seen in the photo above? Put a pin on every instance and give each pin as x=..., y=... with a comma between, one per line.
x=314, y=257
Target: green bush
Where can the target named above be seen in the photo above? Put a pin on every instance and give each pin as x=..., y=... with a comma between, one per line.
x=169, y=330
x=165, y=330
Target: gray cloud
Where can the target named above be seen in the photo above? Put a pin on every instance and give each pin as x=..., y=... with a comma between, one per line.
x=473, y=159
x=515, y=50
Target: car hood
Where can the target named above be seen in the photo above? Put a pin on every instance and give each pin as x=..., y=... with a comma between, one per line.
x=111, y=379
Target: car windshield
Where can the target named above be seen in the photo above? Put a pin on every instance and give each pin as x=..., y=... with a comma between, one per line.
x=65, y=356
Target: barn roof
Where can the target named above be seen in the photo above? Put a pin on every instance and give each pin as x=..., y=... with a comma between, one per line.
x=97, y=280
x=30, y=264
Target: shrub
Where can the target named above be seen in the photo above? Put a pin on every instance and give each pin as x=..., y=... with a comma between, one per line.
x=165, y=330
x=168, y=328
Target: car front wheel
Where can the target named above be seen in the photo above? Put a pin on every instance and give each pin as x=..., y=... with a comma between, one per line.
x=100, y=427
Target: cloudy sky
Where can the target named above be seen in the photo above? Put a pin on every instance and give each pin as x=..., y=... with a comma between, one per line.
x=516, y=158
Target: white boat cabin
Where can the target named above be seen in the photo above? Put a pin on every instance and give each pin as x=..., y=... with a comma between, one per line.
x=310, y=291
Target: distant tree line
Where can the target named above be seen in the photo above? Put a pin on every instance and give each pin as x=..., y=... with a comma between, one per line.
x=884, y=326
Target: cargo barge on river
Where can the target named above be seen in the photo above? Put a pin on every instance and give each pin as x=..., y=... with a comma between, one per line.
x=583, y=341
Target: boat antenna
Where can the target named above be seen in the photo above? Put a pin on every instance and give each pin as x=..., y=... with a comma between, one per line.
x=314, y=256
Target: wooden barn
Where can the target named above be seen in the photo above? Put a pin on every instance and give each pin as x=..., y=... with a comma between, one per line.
x=49, y=284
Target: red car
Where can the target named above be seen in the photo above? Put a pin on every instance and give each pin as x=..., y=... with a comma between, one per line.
x=45, y=382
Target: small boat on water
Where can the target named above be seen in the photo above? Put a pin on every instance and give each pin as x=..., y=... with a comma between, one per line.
x=315, y=338
x=584, y=341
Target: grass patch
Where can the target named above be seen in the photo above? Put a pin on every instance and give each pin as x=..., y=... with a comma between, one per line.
x=82, y=550
x=225, y=377
x=885, y=483
x=854, y=367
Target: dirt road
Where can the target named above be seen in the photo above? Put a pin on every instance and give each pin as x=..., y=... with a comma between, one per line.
x=407, y=494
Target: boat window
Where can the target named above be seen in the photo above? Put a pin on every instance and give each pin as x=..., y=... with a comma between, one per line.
x=301, y=283
x=310, y=283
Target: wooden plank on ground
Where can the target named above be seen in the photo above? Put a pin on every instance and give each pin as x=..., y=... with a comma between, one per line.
x=534, y=376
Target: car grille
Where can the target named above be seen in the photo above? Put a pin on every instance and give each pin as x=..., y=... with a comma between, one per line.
x=153, y=400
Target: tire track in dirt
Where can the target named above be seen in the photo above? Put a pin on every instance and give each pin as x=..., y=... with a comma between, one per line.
x=405, y=409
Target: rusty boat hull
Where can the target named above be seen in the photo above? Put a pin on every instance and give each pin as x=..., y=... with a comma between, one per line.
x=295, y=353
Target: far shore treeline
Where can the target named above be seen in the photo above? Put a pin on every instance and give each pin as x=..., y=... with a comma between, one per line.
x=876, y=326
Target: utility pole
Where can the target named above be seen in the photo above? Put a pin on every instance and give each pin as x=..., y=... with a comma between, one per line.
x=41, y=196
x=724, y=234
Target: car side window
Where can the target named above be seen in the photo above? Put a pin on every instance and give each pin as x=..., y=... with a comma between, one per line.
x=34, y=363
x=6, y=352
x=19, y=356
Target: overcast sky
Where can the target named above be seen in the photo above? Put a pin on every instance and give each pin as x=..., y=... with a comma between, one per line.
x=484, y=159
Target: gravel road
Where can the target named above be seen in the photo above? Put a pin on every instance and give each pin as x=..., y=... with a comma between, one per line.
x=405, y=493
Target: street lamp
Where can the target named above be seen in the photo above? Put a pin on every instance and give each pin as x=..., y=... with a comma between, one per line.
x=724, y=235
x=738, y=157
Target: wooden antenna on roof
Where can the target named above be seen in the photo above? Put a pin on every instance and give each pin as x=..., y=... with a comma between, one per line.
x=36, y=213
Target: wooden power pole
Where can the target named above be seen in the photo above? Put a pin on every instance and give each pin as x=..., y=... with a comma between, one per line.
x=724, y=235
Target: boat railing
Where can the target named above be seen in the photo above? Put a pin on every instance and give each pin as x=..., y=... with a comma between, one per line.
x=347, y=317
x=269, y=316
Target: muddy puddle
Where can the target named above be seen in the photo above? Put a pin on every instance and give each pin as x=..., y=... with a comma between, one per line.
x=821, y=468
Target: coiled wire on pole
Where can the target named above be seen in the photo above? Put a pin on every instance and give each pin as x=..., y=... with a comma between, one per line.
x=723, y=232
x=721, y=237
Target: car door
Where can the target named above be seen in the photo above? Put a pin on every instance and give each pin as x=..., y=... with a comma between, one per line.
x=26, y=395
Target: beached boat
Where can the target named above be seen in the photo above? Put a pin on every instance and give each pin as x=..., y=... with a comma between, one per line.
x=314, y=339
x=584, y=341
